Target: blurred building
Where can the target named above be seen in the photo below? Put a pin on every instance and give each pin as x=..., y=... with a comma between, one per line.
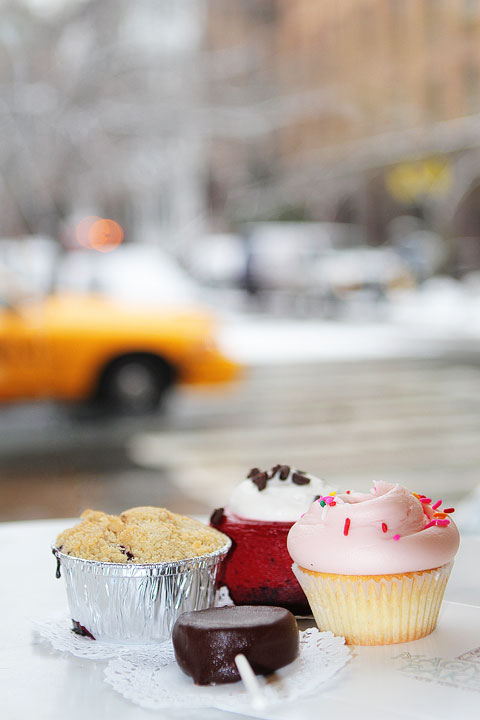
x=402, y=81
x=377, y=114
x=176, y=117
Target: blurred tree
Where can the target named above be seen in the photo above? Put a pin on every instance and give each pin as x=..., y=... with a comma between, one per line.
x=95, y=113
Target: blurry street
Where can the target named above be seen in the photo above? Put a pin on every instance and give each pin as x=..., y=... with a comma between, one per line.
x=415, y=421
x=302, y=174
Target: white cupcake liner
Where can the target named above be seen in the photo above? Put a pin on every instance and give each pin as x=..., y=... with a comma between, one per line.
x=376, y=609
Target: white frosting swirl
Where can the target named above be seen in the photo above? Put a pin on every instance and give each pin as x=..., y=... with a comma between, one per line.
x=279, y=501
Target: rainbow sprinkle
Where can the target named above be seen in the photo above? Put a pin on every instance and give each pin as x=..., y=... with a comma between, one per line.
x=440, y=519
x=326, y=499
x=439, y=522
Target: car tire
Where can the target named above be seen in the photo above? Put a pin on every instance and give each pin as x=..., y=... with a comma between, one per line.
x=134, y=385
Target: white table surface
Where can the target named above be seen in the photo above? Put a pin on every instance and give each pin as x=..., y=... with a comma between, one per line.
x=38, y=682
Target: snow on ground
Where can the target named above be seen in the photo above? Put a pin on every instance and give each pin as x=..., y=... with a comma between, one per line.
x=443, y=314
x=441, y=305
x=261, y=340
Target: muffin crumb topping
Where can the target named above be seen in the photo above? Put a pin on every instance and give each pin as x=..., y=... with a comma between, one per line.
x=139, y=535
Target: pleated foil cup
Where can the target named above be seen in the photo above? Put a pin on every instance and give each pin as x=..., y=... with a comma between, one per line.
x=133, y=603
x=375, y=609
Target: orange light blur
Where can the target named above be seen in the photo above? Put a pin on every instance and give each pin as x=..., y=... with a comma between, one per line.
x=101, y=234
x=105, y=235
x=83, y=229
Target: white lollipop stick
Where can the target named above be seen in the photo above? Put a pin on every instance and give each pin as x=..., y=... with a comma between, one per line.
x=250, y=681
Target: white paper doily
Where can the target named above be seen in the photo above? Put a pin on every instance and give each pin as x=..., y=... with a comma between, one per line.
x=57, y=631
x=154, y=688
x=148, y=675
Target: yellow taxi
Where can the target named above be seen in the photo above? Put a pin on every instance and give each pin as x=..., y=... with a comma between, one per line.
x=82, y=346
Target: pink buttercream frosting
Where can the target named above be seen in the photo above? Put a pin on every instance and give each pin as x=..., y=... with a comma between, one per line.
x=386, y=533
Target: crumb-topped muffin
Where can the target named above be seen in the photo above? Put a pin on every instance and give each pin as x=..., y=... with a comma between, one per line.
x=128, y=577
x=139, y=535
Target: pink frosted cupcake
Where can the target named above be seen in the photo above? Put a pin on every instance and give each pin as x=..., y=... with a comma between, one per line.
x=374, y=566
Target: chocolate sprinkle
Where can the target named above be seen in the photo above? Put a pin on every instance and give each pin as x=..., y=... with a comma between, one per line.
x=260, y=480
x=126, y=552
x=216, y=517
x=300, y=479
x=317, y=497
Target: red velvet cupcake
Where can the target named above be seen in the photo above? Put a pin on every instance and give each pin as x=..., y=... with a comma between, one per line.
x=258, y=517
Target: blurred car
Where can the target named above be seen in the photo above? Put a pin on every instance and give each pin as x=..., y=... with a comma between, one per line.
x=218, y=260
x=268, y=256
x=138, y=273
x=124, y=354
x=347, y=271
x=282, y=255
x=26, y=263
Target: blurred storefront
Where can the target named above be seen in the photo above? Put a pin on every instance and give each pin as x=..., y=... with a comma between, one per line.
x=200, y=115
x=377, y=115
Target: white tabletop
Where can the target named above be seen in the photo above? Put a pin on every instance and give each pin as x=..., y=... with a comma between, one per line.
x=36, y=681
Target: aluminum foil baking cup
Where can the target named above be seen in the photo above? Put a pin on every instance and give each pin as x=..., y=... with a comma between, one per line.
x=133, y=603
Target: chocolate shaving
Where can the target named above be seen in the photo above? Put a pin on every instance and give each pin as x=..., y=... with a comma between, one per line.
x=284, y=472
x=300, y=479
x=260, y=480
x=253, y=472
x=317, y=497
x=216, y=516
x=274, y=470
